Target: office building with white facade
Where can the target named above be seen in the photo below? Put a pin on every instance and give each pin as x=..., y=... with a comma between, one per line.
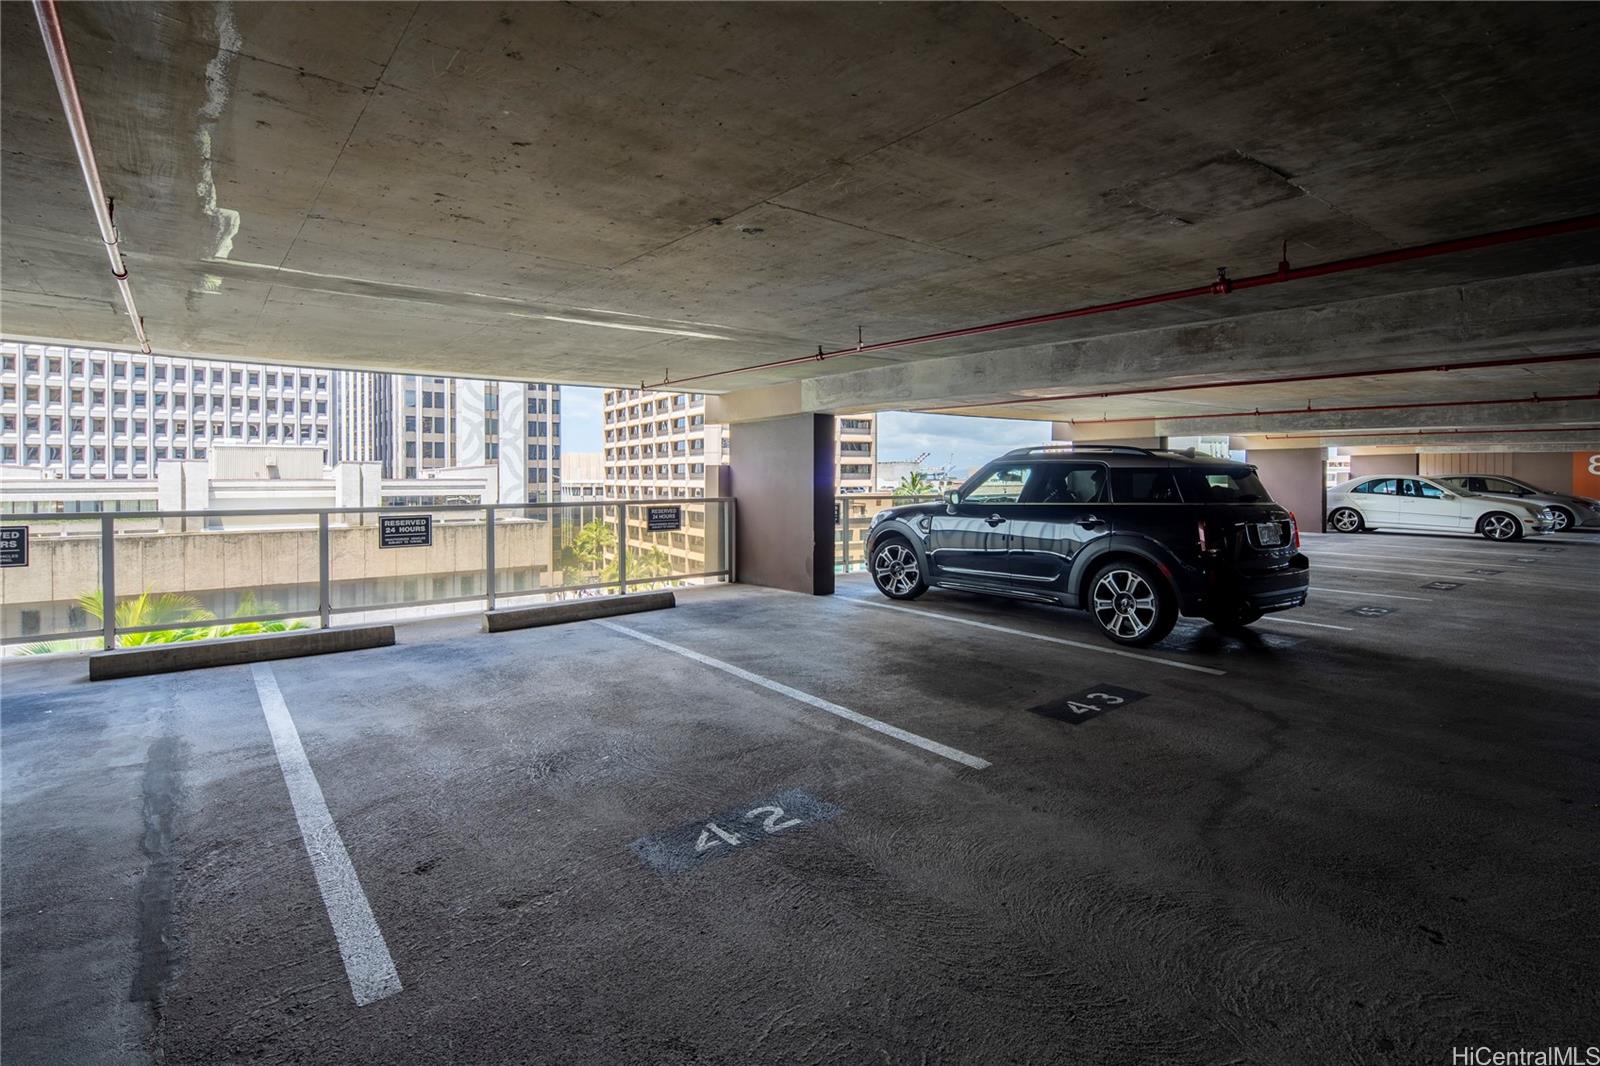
x=91, y=413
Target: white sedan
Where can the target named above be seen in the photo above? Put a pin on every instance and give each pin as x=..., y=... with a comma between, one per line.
x=1419, y=504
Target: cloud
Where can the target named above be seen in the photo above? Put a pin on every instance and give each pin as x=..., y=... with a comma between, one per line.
x=963, y=441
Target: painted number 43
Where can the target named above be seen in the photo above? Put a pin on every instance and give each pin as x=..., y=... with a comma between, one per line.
x=1101, y=700
x=714, y=836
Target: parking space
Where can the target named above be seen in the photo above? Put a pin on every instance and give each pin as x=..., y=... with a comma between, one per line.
x=764, y=827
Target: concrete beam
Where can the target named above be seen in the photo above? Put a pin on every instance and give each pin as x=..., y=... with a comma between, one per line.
x=1486, y=415
x=1554, y=439
x=232, y=651
x=754, y=405
x=1553, y=311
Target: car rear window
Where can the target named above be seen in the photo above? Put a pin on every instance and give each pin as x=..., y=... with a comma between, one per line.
x=1227, y=485
x=1144, y=486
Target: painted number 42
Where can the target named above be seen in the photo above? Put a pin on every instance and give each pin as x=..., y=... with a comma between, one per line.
x=714, y=836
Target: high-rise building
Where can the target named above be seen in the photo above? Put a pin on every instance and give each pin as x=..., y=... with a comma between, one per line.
x=92, y=413
x=362, y=411
x=439, y=422
x=659, y=444
x=856, y=441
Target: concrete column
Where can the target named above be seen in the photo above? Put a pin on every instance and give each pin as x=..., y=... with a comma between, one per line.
x=1395, y=463
x=169, y=493
x=783, y=479
x=1297, y=480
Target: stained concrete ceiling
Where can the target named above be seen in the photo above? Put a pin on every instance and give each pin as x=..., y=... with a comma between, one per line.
x=612, y=193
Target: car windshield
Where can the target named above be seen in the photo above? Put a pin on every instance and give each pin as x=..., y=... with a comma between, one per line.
x=1225, y=485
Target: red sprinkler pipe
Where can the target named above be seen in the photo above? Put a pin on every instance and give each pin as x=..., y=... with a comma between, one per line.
x=1334, y=375
x=1222, y=285
x=1430, y=432
x=1333, y=410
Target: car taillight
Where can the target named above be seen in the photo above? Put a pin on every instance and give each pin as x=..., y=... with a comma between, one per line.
x=1294, y=531
x=1200, y=537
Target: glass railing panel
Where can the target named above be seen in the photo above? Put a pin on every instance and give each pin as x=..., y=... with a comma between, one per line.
x=405, y=563
x=50, y=583
x=852, y=520
x=675, y=543
x=220, y=575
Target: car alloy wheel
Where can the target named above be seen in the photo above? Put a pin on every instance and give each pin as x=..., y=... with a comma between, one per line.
x=895, y=569
x=1499, y=527
x=1563, y=519
x=1124, y=604
x=1345, y=520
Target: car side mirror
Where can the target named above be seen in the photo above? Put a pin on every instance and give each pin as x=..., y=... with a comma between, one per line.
x=1449, y=496
x=952, y=498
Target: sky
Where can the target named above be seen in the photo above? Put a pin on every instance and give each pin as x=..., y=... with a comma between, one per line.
x=962, y=441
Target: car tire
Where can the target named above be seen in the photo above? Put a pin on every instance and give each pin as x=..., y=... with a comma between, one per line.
x=1565, y=519
x=1499, y=526
x=1346, y=520
x=1130, y=604
x=896, y=570
x=1235, y=616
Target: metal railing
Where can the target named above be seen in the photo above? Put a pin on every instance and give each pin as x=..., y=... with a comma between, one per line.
x=852, y=518
x=711, y=519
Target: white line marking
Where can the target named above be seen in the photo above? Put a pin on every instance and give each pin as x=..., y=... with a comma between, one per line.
x=1301, y=622
x=367, y=962
x=1380, y=595
x=1038, y=636
x=818, y=702
x=1401, y=573
x=1499, y=563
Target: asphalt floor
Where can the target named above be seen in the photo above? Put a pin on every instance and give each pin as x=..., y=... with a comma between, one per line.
x=769, y=828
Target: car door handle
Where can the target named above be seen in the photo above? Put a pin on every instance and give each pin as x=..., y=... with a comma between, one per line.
x=1089, y=520
x=994, y=520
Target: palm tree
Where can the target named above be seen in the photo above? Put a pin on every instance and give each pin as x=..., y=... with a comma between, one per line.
x=646, y=564
x=174, y=610
x=595, y=540
x=143, y=610
x=915, y=483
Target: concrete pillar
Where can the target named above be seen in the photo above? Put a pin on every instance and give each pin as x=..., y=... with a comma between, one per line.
x=783, y=480
x=1297, y=479
x=1394, y=463
x=169, y=493
x=357, y=485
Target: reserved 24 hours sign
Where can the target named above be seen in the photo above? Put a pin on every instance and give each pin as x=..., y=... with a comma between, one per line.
x=13, y=545
x=405, y=530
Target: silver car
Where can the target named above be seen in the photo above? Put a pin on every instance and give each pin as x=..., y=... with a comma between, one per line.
x=1572, y=512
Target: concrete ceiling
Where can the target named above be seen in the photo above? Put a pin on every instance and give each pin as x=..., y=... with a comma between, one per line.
x=611, y=193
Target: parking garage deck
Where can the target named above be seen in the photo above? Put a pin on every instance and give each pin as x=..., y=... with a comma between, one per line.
x=1361, y=832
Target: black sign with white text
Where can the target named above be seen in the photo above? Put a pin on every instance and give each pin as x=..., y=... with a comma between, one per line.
x=663, y=519
x=405, y=530
x=13, y=545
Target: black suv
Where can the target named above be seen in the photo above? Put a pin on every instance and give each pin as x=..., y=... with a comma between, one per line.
x=1133, y=536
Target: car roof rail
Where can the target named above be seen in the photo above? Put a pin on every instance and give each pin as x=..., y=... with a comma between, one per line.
x=1072, y=449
